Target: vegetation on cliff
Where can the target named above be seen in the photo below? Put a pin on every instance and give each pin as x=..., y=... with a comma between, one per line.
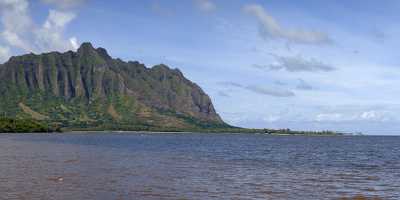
x=88, y=89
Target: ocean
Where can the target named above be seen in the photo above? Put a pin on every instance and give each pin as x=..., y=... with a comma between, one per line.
x=106, y=166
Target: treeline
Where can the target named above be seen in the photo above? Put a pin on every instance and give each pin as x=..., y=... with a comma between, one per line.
x=291, y=132
x=8, y=125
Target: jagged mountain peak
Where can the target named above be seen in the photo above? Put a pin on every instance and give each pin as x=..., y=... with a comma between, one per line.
x=103, y=53
x=86, y=46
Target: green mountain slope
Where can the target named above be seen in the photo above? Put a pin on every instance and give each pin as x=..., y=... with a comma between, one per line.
x=89, y=89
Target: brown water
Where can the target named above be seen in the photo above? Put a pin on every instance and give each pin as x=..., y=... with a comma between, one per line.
x=197, y=166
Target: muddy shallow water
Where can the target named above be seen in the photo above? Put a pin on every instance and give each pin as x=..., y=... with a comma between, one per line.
x=197, y=166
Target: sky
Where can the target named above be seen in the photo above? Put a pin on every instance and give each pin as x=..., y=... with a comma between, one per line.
x=304, y=65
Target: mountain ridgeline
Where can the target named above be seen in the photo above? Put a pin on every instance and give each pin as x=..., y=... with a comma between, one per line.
x=88, y=89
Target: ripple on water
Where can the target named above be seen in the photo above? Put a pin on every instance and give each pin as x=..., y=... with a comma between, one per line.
x=198, y=166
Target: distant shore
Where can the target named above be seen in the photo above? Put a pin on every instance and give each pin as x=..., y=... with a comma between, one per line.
x=208, y=130
x=8, y=125
x=194, y=132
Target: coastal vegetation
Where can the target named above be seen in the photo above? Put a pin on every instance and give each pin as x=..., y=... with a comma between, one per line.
x=8, y=125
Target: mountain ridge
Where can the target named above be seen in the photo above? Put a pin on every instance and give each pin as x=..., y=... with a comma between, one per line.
x=90, y=89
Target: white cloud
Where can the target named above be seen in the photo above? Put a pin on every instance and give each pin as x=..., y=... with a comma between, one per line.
x=276, y=92
x=329, y=117
x=357, y=114
x=368, y=115
x=58, y=19
x=299, y=64
x=206, y=5
x=15, y=40
x=271, y=29
x=375, y=115
x=13, y=11
x=4, y=54
x=50, y=35
x=270, y=91
x=20, y=31
x=74, y=43
x=16, y=22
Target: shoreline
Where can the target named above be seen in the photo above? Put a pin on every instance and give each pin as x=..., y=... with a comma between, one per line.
x=173, y=132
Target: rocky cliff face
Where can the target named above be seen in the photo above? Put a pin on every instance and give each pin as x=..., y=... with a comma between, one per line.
x=88, y=88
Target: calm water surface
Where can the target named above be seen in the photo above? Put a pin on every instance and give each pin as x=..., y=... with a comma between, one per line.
x=108, y=166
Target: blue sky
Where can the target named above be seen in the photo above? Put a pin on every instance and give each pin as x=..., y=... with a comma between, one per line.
x=309, y=64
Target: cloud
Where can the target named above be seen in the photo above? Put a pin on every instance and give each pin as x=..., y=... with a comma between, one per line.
x=303, y=85
x=16, y=22
x=276, y=92
x=223, y=94
x=64, y=4
x=74, y=43
x=58, y=19
x=50, y=35
x=229, y=83
x=375, y=115
x=271, y=29
x=15, y=11
x=205, y=5
x=298, y=64
x=20, y=31
x=15, y=40
x=368, y=116
x=4, y=54
x=329, y=117
x=358, y=113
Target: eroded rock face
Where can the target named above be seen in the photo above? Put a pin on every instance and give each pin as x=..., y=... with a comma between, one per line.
x=91, y=80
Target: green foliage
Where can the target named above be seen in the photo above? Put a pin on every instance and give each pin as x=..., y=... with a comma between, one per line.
x=8, y=125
